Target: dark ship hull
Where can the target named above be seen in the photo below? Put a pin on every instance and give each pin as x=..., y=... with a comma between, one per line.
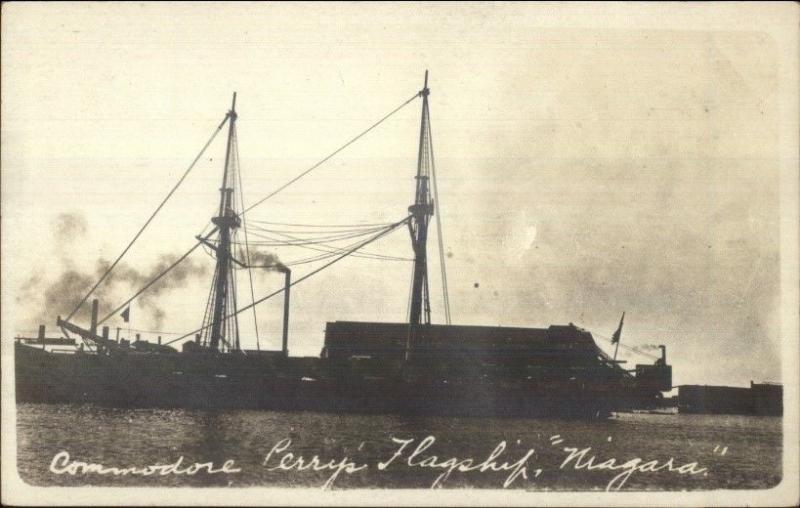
x=466, y=371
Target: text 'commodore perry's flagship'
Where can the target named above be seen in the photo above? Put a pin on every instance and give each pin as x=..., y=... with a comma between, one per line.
x=410, y=368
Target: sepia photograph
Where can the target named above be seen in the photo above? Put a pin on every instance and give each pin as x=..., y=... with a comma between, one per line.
x=401, y=253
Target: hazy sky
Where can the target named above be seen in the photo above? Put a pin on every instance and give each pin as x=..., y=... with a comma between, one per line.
x=584, y=169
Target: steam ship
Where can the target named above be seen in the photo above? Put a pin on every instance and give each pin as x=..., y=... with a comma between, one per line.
x=413, y=367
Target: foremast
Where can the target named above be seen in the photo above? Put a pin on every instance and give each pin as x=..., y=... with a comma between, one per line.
x=224, y=330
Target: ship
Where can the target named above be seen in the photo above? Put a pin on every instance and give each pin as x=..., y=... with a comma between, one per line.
x=409, y=368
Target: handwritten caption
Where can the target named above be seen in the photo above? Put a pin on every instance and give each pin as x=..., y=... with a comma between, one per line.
x=407, y=453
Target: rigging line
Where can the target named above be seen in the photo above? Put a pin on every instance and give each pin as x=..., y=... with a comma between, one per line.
x=207, y=250
x=205, y=228
x=438, y=215
x=295, y=262
x=383, y=224
x=310, y=259
x=157, y=277
x=235, y=323
x=321, y=236
x=297, y=281
x=317, y=232
x=158, y=209
x=209, y=304
x=306, y=276
x=266, y=238
x=326, y=159
x=334, y=250
x=269, y=241
x=410, y=294
x=315, y=241
x=330, y=253
x=342, y=249
x=247, y=245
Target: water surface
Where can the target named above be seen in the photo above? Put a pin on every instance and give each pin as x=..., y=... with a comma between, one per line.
x=141, y=437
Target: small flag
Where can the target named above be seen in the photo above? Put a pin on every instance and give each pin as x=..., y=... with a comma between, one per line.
x=126, y=314
x=618, y=333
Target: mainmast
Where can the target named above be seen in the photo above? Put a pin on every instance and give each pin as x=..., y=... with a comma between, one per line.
x=227, y=221
x=421, y=211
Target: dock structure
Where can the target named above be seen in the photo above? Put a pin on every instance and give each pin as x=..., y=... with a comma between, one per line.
x=762, y=399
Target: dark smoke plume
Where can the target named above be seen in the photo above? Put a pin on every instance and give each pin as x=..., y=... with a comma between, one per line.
x=178, y=277
x=61, y=295
x=267, y=261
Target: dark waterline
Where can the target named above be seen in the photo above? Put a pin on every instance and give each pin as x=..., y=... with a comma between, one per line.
x=141, y=437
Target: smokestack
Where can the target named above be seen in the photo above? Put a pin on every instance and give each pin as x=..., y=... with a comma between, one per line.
x=138, y=337
x=105, y=332
x=288, y=274
x=159, y=340
x=197, y=338
x=41, y=332
x=663, y=353
x=93, y=327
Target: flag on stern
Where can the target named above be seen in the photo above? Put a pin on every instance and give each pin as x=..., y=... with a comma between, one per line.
x=618, y=333
x=126, y=314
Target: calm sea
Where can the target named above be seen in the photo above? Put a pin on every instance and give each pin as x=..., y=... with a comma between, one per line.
x=735, y=451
